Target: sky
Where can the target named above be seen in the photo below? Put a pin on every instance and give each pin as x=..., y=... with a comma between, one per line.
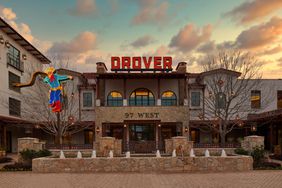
x=83, y=32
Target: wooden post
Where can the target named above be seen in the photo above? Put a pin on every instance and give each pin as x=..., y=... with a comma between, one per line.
x=271, y=137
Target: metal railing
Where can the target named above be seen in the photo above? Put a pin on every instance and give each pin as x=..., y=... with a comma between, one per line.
x=209, y=145
x=69, y=146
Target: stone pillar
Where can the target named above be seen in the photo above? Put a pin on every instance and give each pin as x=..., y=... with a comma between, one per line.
x=180, y=144
x=30, y=143
x=106, y=144
x=157, y=136
x=250, y=142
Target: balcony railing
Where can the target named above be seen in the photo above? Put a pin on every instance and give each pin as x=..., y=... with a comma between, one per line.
x=69, y=146
x=15, y=62
x=207, y=145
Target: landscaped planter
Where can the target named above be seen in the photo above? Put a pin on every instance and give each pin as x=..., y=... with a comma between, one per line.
x=144, y=164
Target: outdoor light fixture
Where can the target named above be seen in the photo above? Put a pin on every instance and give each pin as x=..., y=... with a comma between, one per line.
x=186, y=129
x=124, y=125
x=7, y=44
x=253, y=128
x=210, y=94
x=24, y=57
x=97, y=129
x=72, y=94
x=159, y=125
x=37, y=126
x=1, y=39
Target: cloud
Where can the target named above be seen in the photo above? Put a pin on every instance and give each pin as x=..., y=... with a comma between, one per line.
x=207, y=47
x=271, y=51
x=260, y=35
x=83, y=42
x=190, y=37
x=83, y=8
x=150, y=11
x=24, y=29
x=254, y=10
x=142, y=41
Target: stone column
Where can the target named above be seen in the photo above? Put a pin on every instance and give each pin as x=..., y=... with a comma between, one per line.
x=157, y=136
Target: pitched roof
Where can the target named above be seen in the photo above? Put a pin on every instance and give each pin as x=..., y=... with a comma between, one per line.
x=12, y=33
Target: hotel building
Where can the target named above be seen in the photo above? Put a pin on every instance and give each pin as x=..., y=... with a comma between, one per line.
x=140, y=108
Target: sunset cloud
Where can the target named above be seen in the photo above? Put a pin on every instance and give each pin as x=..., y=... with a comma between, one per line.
x=83, y=42
x=260, y=35
x=274, y=50
x=83, y=8
x=143, y=41
x=190, y=37
x=150, y=11
x=254, y=10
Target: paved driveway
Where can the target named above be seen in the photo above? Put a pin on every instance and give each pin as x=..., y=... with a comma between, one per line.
x=244, y=179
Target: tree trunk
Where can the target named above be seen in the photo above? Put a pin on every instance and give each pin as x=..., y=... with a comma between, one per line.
x=222, y=139
x=59, y=133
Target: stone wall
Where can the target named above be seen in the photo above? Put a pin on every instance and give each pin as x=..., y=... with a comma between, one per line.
x=250, y=142
x=180, y=144
x=144, y=164
x=105, y=144
x=30, y=143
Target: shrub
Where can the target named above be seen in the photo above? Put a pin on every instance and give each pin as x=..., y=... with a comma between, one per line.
x=241, y=151
x=16, y=167
x=258, y=156
x=44, y=153
x=28, y=154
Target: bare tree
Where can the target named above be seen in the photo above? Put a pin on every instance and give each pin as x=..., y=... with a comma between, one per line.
x=35, y=106
x=229, y=78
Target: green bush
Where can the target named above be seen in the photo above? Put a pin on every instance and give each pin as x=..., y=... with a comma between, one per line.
x=258, y=156
x=241, y=151
x=29, y=154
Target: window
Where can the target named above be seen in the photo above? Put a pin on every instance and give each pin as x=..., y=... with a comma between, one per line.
x=220, y=100
x=87, y=99
x=279, y=99
x=255, y=99
x=13, y=78
x=142, y=97
x=14, y=107
x=13, y=58
x=195, y=98
x=169, y=99
x=114, y=99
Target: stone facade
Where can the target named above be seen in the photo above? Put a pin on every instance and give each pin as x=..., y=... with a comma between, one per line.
x=250, y=142
x=143, y=164
x=105, y=144
x=30, y=143
x=180, y=144
x=171, y=114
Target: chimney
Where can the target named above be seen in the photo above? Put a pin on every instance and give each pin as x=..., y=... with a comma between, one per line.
x=181, y=67
x=101, y=67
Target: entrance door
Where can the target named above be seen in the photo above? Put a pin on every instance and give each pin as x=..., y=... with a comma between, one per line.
x=167, y=131
x=142, y=138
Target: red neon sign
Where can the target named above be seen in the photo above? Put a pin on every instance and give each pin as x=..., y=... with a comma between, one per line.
x=141, y=63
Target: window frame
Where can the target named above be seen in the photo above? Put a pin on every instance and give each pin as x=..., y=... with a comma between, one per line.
x=191, y=99
x=279, y=103
x=14, y=112
x=259, y=104
x=171, y=101
x=92, y=99
x=117, y=100
x=11, y=82
x=134, y=101
x=13, y=60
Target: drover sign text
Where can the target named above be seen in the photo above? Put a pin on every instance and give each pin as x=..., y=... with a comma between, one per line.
x=141, y=63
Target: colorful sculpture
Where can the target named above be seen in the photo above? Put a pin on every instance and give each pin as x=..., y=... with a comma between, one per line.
x=54, y=81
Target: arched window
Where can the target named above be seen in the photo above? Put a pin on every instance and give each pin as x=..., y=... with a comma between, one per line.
x=114, y=99
x=169, y=99
x=142, y=97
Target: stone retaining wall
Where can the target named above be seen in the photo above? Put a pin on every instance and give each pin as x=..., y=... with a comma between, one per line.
x=144, y=164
